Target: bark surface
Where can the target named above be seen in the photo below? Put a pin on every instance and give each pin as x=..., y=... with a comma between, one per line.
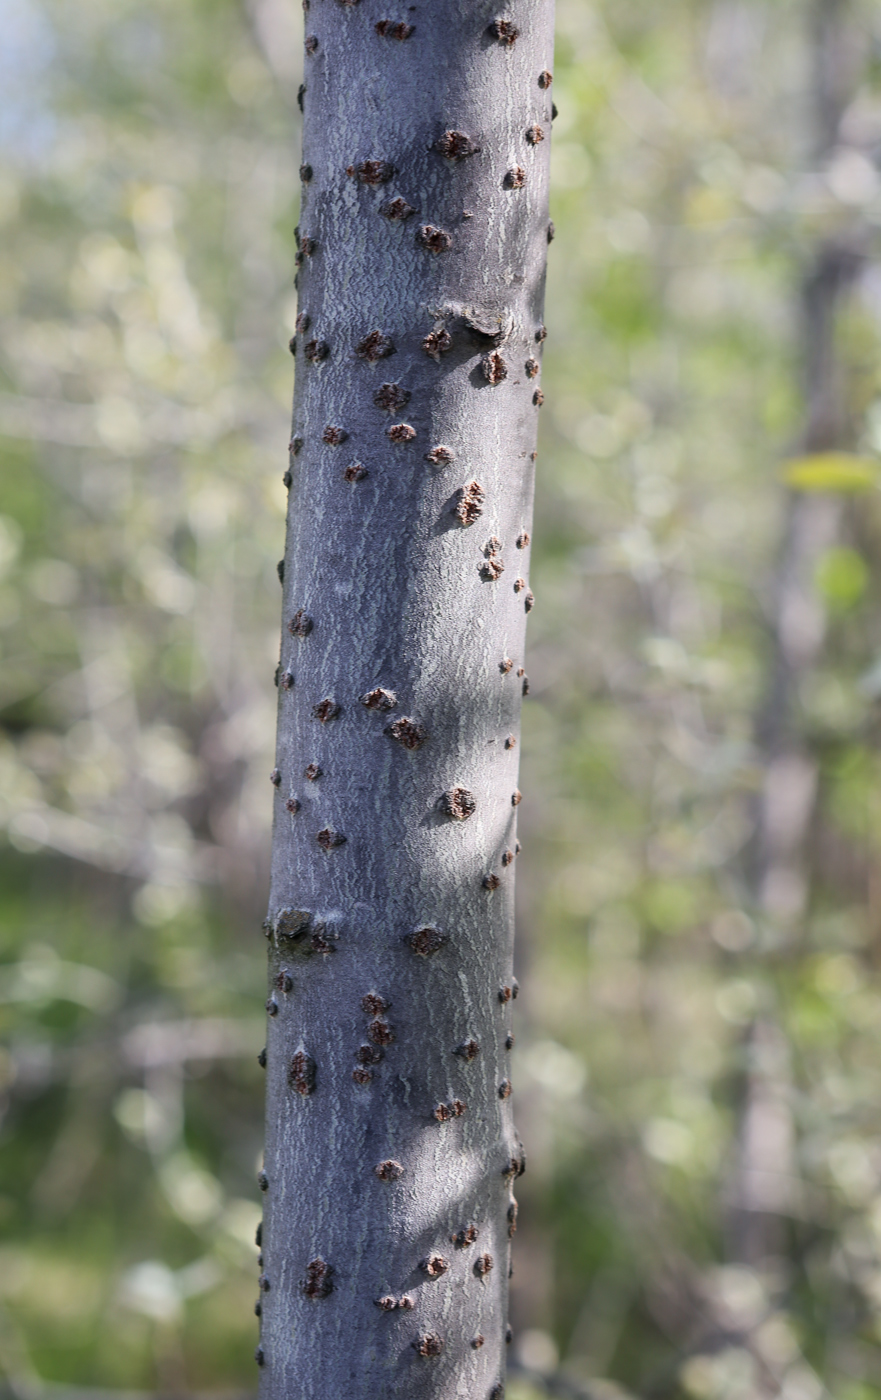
x=391, y=1152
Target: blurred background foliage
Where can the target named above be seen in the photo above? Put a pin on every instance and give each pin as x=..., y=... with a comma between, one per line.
x=699, y=1049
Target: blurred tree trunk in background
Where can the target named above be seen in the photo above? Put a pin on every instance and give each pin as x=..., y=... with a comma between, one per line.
x=390, y=1149
x=763, y=1184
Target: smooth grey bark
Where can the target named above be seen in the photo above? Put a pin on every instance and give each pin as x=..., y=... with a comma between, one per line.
x=390, y=1146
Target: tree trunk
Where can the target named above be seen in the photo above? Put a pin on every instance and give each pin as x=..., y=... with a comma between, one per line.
x=763, y=1176
x=390, y=1146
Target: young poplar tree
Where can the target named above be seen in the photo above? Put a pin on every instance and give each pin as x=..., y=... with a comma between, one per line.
x=391, y=1153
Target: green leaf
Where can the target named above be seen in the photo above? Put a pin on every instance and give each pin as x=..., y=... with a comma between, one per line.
x=831, y=471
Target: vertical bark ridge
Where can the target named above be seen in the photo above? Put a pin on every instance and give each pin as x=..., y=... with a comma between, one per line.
x=391, y=1152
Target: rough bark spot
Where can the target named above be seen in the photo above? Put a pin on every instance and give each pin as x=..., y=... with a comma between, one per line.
x=492, y=568
x=372, y=1004
x=523, y=539
x=505, y=1089
x=355, y=472
x=283, y=981
x=305, y=250
x=292, y=923
x=439, y=456
x=327, y=838
x=259, y=1356
x=361, y=1076
x=401, y=432
x=287, y=480
x=511, y=742
x=456, y=145
x=301, y=1073
x=306, y=173
x=545, y=78
x=408, y=732
x=271, y=1006
x=389, y=1171
x=311, y=44
x=519, y=585
x=380, y=1032
x=494, y=368
x=258, y=1311
x=513, y=1210
x=312, y=771
x=443, y=1112
x=397, y=210
x=469, y=506
x=326, y=710
x=379, y=699
x=275, y=778
x=301, y=93
x=477, y=1342
x=287, y=680
x=525, y=688
x=482, y=1265
x=505, y=31
x=436, y=240
x=506, y=665
x=334, y=436
x=406, y=1303
x=388, y=1303
x=428, y=1344
x=316, y=351
x=532, y=367
x=437, y=343
x=263, y=1181
x=279, y=569
x=426, y=941
x=369, y=1054
x=541, y=334
x=375, y=346
x=295, y=446
x=515, y=178
x=261, y=1058
x=389, y=29
x=538, y=398
x=521, y=671
x=515, y=1166
x=529, y=601
x=317, y=1283
x=457, y=804
x=534, y=134
x=491, y=882
x=552, y=231
x=391, y=397
x=465, y=1237
x=434, y=1265
x=263, y=1283
x=498, y=1391
x=318, y=943
x=507, y=857
x=504, y=994
x=371, y=172
x=468, y=1050
x=292, y=345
